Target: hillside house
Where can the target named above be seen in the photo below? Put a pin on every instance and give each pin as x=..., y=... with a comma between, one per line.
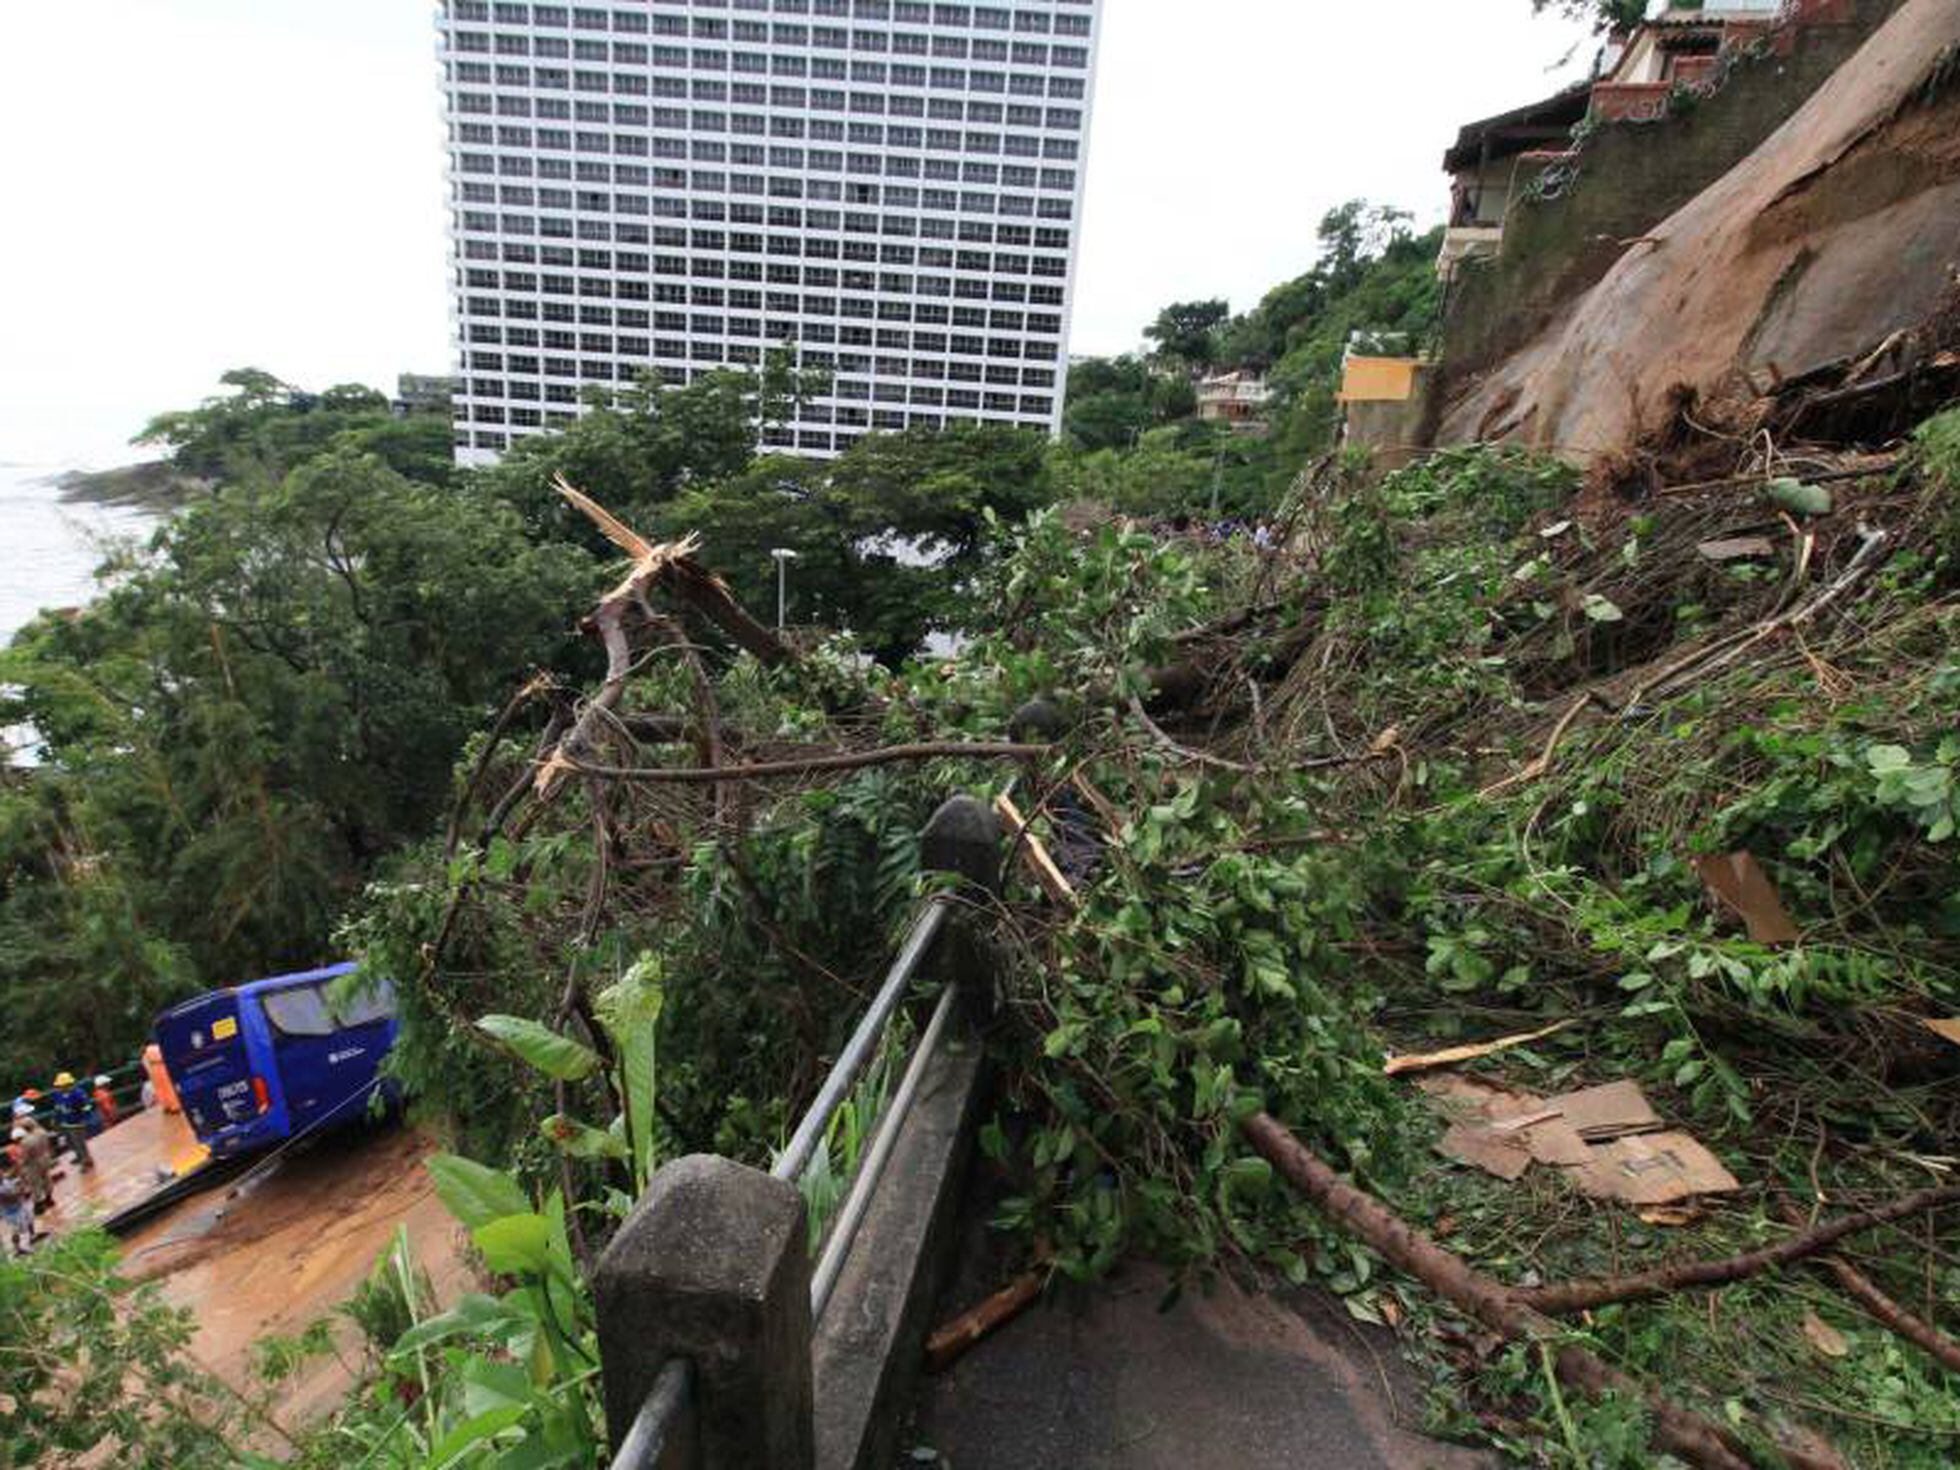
x=1492, y=159
x=1530, y=150
x=1681, y=46
x=1238, y=399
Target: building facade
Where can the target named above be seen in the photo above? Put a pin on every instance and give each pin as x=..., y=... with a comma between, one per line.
x=890, y=188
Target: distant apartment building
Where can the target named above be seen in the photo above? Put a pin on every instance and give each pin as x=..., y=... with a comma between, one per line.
x=891, y=188
x=423, y=393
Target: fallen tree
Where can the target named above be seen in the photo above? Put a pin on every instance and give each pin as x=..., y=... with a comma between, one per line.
x=1696, y=1439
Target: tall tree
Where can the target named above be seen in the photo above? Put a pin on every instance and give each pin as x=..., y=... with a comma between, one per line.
x=885, y=536
x=636, y=449
x=267, y=702
x=1186, y=332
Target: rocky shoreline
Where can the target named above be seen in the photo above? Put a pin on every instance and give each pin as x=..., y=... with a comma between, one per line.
x=154, y=485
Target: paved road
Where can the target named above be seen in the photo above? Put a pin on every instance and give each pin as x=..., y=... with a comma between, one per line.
x=131, y=1159
x=1227, y=1380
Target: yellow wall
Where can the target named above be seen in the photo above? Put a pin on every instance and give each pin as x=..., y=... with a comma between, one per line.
x=1379, y=379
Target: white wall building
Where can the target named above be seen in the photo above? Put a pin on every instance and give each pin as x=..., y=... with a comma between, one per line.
x=894, y=186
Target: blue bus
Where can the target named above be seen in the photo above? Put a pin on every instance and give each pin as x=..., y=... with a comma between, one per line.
x=260, y=1063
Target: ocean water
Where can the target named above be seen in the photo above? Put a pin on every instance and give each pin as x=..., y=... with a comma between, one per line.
x=50, y=548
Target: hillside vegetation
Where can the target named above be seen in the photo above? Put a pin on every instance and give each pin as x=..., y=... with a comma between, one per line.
x=1436, y=767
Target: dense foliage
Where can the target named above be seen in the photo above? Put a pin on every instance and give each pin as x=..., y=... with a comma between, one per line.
x=1369, y=858
x=1132, y=437
x=90, y=1363
x=268, y=699
x=1435, y=767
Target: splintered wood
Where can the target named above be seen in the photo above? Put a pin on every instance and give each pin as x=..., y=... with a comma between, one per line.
x=1450, y=1056
x=1051, y=878
x=1738, y=882
x=1606, y=1139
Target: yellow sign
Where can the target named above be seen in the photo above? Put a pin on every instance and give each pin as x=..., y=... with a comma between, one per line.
x=224, y=1026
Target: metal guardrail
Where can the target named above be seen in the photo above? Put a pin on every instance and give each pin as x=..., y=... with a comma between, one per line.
x=795, y=1159
x=653, y=1427
x=871, y=1168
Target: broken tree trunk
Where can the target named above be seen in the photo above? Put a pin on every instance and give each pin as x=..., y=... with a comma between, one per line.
x=709, y=596
x=1690, y=1436
x=946, y=1346
x=673, y=566
x=1051, y=878
x=1575, y=1296
x=669, y=566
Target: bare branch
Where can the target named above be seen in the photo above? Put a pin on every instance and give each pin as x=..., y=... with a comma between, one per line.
x=815, y=764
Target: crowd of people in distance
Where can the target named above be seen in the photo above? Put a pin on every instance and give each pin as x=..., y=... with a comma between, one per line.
x=45, y=1126
x=1263, y=535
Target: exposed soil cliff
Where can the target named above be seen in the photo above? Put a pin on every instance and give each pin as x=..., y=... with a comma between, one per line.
x=1827, y=257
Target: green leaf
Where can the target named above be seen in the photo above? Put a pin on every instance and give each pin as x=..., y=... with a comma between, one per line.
x=1248, y=1173
x=993, y=1141
x=490, y=1384
x=471, y=1433
x=476, y=1315
x=1601, y=609
x=515, y=1245
x=1063, y=1039
x=630, y=1012
x=582, y=1140
x=556, y=1056
x=1802, y=498
x=1883, y=758
x=475, y=1194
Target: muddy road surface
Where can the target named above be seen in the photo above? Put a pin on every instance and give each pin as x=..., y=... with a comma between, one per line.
x=272, y=1252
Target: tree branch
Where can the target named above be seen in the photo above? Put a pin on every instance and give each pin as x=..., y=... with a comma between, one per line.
x=813, y=764
x=1575, y=1296
x=1698, y=1440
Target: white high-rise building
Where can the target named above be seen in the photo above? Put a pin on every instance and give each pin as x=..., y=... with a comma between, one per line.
x=893, y=186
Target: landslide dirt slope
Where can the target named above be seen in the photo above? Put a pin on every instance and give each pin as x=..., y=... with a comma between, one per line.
x=295, y=1245
x=1840, y=230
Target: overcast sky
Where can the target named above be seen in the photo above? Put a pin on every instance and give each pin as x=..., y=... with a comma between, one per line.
x=193, y=185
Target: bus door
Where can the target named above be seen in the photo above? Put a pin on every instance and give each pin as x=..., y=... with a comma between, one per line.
x=204, y=1047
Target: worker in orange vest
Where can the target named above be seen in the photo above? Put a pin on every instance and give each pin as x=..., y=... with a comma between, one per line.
x=105, y=1101
x=160, y=1083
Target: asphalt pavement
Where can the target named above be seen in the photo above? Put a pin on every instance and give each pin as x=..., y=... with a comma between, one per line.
x=1105, y=1380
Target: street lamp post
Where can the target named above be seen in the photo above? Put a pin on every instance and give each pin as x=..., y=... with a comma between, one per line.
x=783, y=557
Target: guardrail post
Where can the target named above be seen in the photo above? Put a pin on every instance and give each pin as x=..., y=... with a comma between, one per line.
x=1038, y=722
x=964, y=837
x=713, y=1266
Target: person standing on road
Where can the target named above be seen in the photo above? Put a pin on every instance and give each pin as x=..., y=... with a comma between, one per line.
x=71, y=1114
x=16, y=1211
x=105, y=1104
x=36, y=1159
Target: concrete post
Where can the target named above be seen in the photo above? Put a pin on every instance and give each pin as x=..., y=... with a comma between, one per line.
x=1037, y=722
x=964, y=837
x=713, y=1266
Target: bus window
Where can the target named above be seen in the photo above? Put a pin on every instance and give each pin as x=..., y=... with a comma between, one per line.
x=300, y=1011
x=371, y=1002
